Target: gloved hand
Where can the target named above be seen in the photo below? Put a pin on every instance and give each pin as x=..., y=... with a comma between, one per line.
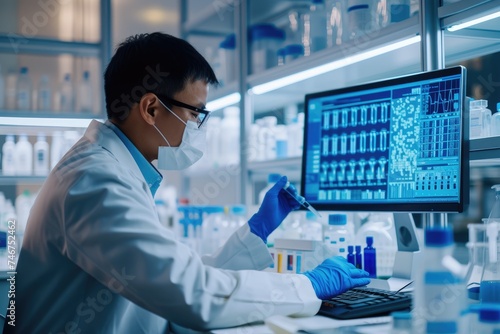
x=276, y=206
x=335, y=276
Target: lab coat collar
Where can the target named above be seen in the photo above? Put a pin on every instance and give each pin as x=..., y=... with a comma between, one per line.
x=105, y=137
x=152, y=176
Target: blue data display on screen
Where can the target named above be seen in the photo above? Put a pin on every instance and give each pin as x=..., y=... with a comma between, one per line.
x=398, y=141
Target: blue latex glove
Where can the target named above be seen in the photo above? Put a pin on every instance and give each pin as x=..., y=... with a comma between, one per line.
x=276, y=206
x=335, y=276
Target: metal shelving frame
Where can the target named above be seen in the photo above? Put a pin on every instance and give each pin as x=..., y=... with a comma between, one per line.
x=437, y=48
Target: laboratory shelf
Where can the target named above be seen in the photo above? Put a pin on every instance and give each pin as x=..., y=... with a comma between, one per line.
x=211, y=20
x=369, y=58
x=12, y=43
x=32, y=122
x=44, y=114
x=466, y=10
x=218, y=18
x=352, y=63
x=487, y=149
x=291, y=167
x=475, y=41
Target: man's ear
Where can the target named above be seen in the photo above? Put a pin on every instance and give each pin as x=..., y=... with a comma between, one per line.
x=148, y=106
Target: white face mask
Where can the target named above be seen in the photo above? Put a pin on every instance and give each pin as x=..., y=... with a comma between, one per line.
x=190, y=150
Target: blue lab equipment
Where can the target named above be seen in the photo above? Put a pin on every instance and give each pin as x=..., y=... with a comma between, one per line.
x=370, y=257
x=358, y=258
x=350, y=256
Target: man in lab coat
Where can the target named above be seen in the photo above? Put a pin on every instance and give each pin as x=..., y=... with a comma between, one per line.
x=96, y=259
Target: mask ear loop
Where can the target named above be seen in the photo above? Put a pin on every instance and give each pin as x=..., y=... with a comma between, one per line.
x=161, y=134
x=173, y=113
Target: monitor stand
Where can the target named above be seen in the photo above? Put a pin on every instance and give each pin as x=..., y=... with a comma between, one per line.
x=407, y=256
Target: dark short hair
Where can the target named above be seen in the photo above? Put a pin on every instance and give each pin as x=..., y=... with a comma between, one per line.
x=156, y=63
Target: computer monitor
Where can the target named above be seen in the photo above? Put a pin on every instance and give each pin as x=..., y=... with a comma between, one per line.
x=392, y=145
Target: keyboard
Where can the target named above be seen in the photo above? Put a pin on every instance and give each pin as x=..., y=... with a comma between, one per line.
x=365, y=302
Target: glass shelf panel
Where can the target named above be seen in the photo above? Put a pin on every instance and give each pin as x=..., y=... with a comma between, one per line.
x=76, y=20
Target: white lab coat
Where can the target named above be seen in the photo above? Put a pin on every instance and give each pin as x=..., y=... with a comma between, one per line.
x=95, y=258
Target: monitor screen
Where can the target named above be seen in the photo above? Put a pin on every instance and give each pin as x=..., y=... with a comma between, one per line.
x=391, y=145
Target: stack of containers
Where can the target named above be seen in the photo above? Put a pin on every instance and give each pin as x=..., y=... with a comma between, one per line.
x=227, y=59
x=495, y=122
x=265, y=41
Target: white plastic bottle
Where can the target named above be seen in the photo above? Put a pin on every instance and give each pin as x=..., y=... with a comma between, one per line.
x=214, y=222
x=480, y=118
x=41, y=156
x=66, y=94
x=230, y=141
x=267, y=137
x=23, y=156
x=56, y=148
x=227, y=59
x=213, y=143
x=440, y=295
x=10, y=90
x=337, y=236
x=23, y=206
x=84, y=94
x=44, y=99
x=359, y=18
x=2, y=89
x=260, y=147
x=295, y=132
x=281, y=141
x=24, y=90
x=8, y=154
x=495, y=122
x=253, y=142
x=312, y=229
x=315, y=28
x=70, y=137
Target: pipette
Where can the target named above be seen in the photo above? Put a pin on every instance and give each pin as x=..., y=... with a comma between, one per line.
x=301, y=200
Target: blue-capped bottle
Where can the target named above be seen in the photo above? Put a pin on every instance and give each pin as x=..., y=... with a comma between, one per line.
x=440, y=294
x=370, y=258
x=490, y=279
x=337, y=235
x=489, y=319
x=350, y=255
x=358, y=257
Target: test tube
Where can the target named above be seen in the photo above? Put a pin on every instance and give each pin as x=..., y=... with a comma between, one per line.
x=301, y=200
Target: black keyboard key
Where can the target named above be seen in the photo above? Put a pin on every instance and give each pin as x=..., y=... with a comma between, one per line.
x=364, y=302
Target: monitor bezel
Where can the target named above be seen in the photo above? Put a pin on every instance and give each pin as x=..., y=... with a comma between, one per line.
x=400, y=207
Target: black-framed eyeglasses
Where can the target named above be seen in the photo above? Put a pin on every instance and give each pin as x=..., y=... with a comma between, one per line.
x=202, y=116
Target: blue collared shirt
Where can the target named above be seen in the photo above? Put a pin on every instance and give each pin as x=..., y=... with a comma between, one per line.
x=150, y=173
